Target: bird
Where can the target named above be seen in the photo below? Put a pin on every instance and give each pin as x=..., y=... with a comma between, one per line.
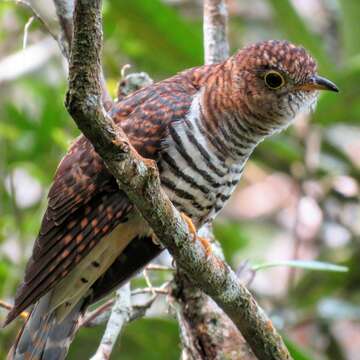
x=200, y=126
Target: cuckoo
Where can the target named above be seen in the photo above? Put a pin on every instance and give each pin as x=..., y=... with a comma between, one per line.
x=200, y=126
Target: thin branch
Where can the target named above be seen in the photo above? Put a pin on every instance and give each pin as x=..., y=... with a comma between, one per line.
x=102, y=314
x=120, y=315
x=216, y=46
x=64, y=12
x=5, y=305
x=150, y=290
x=36, y=15
x=26, y=30
x=153, y=290
x=89, y=318
x=148, y=282
x=139, y=178
x=24, y=315
x=155, y=267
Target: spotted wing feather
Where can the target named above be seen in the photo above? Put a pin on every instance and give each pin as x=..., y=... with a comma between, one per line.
x=85, y=203
x=66, y=238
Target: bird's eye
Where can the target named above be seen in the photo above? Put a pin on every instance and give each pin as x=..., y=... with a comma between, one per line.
x=274, y=80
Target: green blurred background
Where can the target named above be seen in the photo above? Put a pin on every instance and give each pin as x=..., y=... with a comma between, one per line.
x=299, y=198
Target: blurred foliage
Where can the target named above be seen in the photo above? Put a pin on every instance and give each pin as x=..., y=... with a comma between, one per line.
x=162, y=38
x=146, y=339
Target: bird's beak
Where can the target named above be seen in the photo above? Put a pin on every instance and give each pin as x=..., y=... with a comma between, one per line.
x=318, y=83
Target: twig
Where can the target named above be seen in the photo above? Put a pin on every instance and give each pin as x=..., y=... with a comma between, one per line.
x=89, y=318
x=148, y=282
x=5, y=305
x=139, y=178
x=26, y=30
x=158, y=290
x=120, y=315
x=24, y=315
x=163, y=289
x=37, y=16
x=102, y=314
x=155, y=267
x=64, y=12
x=216, y=46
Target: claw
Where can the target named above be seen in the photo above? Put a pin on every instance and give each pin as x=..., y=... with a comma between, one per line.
x=190, y=225
x=205, y=243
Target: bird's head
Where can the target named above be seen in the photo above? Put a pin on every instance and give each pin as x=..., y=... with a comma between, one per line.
x=276, y=80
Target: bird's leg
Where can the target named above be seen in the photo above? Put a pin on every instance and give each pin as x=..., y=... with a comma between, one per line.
x=205, y=243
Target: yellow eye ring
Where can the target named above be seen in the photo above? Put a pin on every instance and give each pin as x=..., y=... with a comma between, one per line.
x=274, y=80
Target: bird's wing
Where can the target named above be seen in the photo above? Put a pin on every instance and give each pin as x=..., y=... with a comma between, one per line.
x=82, y=200
x=85, y=203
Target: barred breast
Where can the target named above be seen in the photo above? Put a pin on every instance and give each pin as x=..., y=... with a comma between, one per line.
x=197, y=177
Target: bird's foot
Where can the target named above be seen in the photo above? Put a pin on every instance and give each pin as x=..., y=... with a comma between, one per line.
x=205, y=243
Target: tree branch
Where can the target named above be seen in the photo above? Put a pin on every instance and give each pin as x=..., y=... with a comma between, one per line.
x=37, y=16
x=206, y=332
x=139, y=178
x=216, y=46
x=120, y=315
x=64, y=12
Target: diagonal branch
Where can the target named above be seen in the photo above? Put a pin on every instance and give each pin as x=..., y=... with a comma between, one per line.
x=139, y=178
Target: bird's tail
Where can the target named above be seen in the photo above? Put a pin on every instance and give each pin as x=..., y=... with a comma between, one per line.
x=42, y=337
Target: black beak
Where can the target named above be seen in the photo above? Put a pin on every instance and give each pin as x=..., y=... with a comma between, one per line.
x=324, y=84
x=318, y=83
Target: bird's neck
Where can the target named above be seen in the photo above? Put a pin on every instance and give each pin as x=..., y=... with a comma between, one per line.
x=228, y=128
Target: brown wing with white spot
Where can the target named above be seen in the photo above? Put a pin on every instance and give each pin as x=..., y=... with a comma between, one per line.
x=85, y=203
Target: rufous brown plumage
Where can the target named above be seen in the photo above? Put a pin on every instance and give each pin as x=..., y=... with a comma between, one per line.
x=201, y=127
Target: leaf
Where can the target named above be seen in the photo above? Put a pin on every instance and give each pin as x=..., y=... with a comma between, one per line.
x=301, y=264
